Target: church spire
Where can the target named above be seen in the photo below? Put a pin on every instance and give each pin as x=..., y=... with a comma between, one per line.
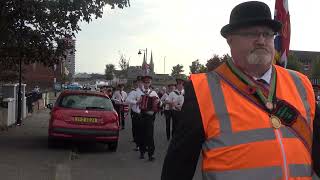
x=144, y=61
x=151, y=63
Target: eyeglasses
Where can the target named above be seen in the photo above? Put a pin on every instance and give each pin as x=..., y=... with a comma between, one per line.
x=256, y=35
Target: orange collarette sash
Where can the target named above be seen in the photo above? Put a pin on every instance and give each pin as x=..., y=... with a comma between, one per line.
x=299, y=125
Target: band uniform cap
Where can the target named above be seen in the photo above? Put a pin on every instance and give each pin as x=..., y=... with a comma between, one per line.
x=171, y=84
x=106, y=87
x=139, y=78
x=248, y=14
x=180, y=79
x=146, y=77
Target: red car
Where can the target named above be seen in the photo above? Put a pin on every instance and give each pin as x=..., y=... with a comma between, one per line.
x=84, y=115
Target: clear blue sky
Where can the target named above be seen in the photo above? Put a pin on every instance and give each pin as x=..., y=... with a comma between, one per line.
x=180, y=30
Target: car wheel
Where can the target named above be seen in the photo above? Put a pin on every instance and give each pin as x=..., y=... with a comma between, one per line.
x=113, y=146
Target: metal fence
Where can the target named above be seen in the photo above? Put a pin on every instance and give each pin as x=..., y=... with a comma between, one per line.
x=315, y=81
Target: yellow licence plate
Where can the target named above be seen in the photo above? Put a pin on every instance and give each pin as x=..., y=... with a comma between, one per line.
x=85, y=119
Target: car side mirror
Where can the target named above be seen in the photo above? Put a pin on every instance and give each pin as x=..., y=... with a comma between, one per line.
x=50, y=106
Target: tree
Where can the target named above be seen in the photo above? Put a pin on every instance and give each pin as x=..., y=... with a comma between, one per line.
x=39, y=31
x=316, y=68
x=109, y=71
x=294, y=63
x=196, y=67
x=124, y=65
x=177, y=70
x=216, y=61
x=203, y=69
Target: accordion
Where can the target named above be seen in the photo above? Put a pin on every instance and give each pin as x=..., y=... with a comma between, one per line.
x=149, y=104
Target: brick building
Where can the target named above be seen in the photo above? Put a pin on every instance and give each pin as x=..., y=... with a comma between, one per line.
x=39, y=75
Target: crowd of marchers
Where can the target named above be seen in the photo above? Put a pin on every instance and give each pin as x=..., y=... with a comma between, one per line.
x=143, y=102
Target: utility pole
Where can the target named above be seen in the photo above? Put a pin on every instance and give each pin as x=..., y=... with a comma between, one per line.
x=21, y=46
x=164, y=65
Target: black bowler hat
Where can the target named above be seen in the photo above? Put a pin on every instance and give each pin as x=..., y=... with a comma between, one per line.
x=249, y=14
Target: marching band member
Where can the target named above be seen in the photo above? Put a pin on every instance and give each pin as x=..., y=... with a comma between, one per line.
x=175, y=101
x=133, y=99
x=149, y=98
x=167, y=109
x=119, y=98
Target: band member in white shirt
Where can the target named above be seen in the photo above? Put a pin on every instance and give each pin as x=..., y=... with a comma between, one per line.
x=175, y=100
x=147, y=119
x=168, y=109
x=119, y=97
x=133, y=99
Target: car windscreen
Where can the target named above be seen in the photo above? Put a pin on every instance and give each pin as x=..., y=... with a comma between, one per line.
x=81, y=101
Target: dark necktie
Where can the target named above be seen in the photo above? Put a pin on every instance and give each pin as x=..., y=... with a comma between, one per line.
x=264, y=83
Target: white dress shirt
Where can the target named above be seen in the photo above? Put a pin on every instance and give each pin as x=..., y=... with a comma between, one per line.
x=163, y=100
x=132, y=99
x=119, y=97
x=266, y=76
x=176, y=98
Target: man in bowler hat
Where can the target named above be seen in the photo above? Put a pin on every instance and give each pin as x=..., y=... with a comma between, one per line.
x=250, y=118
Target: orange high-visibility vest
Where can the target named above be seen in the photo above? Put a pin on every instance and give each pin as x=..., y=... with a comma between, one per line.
x=240, y=140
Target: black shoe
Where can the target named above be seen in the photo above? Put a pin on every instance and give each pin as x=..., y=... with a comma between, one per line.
x=151, y=158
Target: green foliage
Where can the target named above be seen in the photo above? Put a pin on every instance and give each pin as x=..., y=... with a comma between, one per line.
x=294, y=63
x=196, y=67
x=124, y=65
x=39, y=30
x=109, y=71
x=177, y=70
x=316, y=68
x=216, y=61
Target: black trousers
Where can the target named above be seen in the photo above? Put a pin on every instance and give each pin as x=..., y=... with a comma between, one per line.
x=120, y=114
x=135, y=118
x=146, y=143
x=176, y=117
x=168, y=115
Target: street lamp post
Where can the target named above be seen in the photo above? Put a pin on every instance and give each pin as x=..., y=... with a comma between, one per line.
x=164, y=65
x=145, y=50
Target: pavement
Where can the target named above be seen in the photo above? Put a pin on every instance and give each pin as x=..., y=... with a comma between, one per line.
x=24, y=155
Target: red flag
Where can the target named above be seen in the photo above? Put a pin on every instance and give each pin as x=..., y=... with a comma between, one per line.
x=282, y=40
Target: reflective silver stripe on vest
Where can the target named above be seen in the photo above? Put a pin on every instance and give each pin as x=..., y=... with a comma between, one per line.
x=242, y=137
x=302, y=93
x=219, y=102
x=265, y=173
x=287, y=133
x=300, y=170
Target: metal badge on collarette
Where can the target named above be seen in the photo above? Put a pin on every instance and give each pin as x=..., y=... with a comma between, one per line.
x=275, y=121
